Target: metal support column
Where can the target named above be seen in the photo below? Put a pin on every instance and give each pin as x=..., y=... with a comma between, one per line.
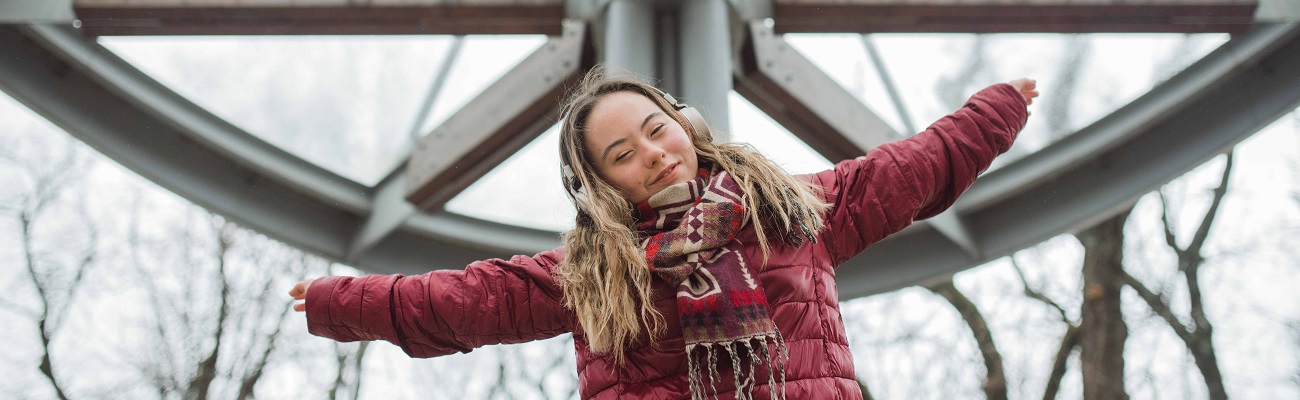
x=629, y=38
x=704, y=60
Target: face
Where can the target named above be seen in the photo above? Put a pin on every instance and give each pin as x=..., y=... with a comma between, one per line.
x=636, y=147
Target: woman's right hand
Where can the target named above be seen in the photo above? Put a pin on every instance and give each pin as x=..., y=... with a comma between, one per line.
x=299, y=292
x=1027, y=88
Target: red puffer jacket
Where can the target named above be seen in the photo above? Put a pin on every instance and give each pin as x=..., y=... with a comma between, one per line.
x=517, y=300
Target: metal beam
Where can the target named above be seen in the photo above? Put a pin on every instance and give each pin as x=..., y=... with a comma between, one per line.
x=1278, y=11
x=628, y=38
x=752, y=10
x=1082, y=179
x=512, y=111
x=1208, y=16
x=35, y=11
x=435, y=88
x=796, y=94
x=103, y=101
x=321, y=19
x=388, y=212
x=704, y=60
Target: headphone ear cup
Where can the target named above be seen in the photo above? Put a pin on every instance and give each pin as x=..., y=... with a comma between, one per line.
x=697, y=122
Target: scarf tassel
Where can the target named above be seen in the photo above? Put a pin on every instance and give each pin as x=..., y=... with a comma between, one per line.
x=773, y=358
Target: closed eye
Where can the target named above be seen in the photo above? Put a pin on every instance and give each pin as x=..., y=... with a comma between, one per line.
x=621, y=156
x=656, y=130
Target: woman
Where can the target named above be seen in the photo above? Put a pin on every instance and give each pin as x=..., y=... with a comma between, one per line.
x=695, y=269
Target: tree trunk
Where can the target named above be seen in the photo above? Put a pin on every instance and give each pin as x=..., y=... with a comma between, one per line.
x=207, y=369
x=1102, y=331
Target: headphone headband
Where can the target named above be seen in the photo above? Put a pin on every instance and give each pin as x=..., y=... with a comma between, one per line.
x=692, y=115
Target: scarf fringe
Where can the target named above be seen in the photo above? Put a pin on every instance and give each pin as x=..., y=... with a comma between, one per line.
x=759, y=352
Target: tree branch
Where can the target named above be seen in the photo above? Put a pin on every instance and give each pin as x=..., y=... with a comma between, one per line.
x=1036, y=295
x=259, y=364
x=1059, y=364
x=995, y=383
x=43, y=314
x=1203, y=231
x=1170, y=239
x=1158, y=306
x=87, y=261
x=207, y=369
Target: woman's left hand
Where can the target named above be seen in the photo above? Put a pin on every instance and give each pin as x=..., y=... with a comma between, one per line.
x=299, y=292
x=1027, y=87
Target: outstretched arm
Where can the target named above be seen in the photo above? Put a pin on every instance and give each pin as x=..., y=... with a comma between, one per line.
x=441, y=312
x=901, y=182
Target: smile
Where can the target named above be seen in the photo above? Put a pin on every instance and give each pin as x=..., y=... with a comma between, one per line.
x=670, y=171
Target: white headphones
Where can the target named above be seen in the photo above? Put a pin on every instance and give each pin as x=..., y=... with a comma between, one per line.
x=692, y=115
x=573, y=185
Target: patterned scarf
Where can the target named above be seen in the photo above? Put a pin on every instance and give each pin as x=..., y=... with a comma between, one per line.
x=689, y=231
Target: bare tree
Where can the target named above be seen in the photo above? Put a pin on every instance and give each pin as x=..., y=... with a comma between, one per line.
x=217, y=333
x=995, y=381
x=207, y=366
x=1069, y=341
x=1199, y=335
x=1102, y=331
x=515, y=380
x=256, y=357
x=54, y=278
x=350, y=365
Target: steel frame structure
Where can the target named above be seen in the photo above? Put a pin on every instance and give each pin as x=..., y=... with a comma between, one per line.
x=699, y=50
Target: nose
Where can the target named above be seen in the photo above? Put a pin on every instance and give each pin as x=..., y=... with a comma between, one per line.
x=654, y=154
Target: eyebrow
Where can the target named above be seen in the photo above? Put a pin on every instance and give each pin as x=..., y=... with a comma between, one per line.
x=620, y=141
x=650, y=117
x=605, y=155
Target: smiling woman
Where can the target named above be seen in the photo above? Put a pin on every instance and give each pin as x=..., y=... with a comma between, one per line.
x=639, y=159
x=690, y=261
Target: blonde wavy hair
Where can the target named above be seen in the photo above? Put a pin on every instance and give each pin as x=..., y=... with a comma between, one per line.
x=604, y=274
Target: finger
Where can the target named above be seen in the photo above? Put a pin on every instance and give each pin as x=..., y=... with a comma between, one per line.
x=300, y=307
x=300, y=289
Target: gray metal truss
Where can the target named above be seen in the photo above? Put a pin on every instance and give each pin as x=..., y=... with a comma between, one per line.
x=102, y=100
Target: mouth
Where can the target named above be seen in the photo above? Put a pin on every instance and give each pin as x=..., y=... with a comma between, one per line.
x=665, y=173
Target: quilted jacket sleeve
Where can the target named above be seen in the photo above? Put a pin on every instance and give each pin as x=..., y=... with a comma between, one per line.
x=897, y=183
x=442, y=312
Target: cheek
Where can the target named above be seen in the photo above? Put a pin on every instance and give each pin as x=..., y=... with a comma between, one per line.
x=686, y=148
x=626, y=181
